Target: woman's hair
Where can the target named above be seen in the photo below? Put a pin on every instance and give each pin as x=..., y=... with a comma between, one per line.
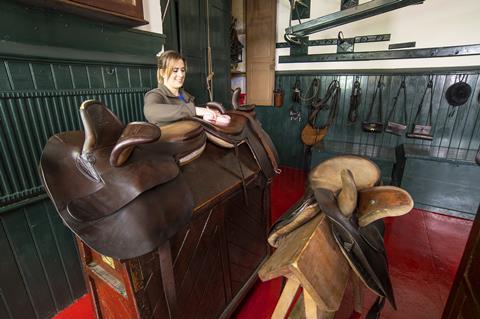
x=165, y=63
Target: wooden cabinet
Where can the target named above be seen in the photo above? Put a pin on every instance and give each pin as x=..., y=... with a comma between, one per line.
x=124, y=12
x=255, y=75
x=208, y=266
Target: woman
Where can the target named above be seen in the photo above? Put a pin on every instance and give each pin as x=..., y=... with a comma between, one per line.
x=170, y=102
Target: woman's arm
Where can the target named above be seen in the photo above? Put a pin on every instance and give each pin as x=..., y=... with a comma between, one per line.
x=161, y=110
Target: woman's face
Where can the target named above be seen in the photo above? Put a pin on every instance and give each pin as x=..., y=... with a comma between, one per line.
x=177, y=77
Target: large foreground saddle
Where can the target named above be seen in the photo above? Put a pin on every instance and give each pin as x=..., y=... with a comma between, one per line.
x=345, y=189
x=120, y=187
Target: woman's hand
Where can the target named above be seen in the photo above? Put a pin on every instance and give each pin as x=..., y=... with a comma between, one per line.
x=213, y=116
x=207, y=113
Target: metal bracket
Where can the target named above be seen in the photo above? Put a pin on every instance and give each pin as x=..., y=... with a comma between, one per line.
x=368, y=9
x=347, y=4
x=345, y=45
x=462, y=50
x=301, y=10
x=323, y=42
x=403, y=45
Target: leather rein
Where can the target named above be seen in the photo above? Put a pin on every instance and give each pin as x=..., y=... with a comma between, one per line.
x=329, y=102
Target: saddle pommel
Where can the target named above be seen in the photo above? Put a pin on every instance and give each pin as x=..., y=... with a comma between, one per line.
x=135, y=133
x=347, y=198
x=101, y=126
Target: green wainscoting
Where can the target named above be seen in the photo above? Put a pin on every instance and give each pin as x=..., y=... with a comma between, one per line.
x=456, y=139
x=40, y=270
x=39, y=99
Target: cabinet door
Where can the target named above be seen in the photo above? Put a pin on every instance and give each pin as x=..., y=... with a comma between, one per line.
x=219, y=25
x=198, y=255
x=246, y=232
x=261, y=20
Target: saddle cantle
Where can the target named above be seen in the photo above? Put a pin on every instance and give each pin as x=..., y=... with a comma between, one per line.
x=344, y=188
x=114, y=187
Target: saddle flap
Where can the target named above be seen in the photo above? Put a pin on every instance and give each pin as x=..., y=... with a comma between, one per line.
x=382, y=201
x=135, y=133
x=299, y=214
x=363, y=250
x=372, y=237
x=123, y=185
x=102, y=127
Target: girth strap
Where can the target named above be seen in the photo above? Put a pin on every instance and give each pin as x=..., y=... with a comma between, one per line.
x=168, y=278
x=395, y=100
x=420, y=105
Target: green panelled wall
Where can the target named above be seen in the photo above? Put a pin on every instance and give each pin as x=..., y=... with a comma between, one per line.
x=40, y=99
x=50, y=62
x=456, y=139
x=186, y=26
x=40, y=271
x=458, y=133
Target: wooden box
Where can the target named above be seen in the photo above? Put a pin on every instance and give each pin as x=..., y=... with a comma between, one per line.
x=209, y=265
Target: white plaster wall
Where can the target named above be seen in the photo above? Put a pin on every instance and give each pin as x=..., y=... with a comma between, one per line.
x=153, y=14
x=435, y=23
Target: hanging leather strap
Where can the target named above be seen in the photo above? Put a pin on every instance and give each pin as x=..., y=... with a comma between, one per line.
x=376, y=309
x=330, y=101
x=314, y=88
x=420, y=106
x=168, y=278
x=378, y=92
x=355, y=100
x=395, y=100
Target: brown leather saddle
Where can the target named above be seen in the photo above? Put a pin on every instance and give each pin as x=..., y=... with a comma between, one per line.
x=118, y=187
x=244, y=128
x=345, y=189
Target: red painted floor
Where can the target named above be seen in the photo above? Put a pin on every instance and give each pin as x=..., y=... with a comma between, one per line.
x=424, y=250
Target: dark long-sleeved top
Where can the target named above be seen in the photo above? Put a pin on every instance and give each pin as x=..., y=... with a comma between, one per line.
x=162, y=107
